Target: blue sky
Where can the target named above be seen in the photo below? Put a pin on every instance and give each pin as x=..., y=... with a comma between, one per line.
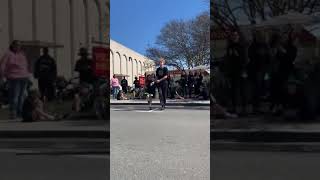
x=136, y=23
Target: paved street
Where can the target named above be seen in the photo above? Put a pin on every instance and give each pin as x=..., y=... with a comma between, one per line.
x=51, y=159
x=171, y=144
x=254, y=165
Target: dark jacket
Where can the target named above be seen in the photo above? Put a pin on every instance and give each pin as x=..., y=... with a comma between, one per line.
x=45, y=68
x=259, y=58
x=235, y=60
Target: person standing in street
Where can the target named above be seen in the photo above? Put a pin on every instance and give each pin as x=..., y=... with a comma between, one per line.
x=115, y=86
x=46, y=73
x=124, y=85
x=162, y=75
x=14, y=66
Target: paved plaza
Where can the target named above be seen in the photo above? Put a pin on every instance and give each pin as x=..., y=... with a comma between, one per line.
x=153, y=144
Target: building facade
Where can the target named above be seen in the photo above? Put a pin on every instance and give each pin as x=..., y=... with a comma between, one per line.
x=62, y=25
x=128, y=63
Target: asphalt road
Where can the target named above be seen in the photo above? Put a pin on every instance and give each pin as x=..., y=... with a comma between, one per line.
x=255, y=165
x=169, y=145
x=51, y=159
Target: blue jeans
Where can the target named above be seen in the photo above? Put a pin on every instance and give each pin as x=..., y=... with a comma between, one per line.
x=115, y=91
x=17, y=95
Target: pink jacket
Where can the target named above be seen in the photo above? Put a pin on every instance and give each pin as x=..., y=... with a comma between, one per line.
x=14, y=66
x=115, y=82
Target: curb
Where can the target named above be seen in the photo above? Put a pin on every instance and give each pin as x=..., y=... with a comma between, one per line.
x=54, y=134
x=266, y=147
x=239, y=135
x=168, y=104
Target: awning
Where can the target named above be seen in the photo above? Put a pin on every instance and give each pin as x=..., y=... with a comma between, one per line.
x=121, y=75
x=41, y=44
x=291, y=18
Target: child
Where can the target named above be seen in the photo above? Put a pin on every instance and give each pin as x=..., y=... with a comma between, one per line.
x=150, y=89
x=121, y=96
x=33, y=109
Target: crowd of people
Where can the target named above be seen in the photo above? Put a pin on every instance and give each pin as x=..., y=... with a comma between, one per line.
x=26, y=103
x=264, y=74
x=186, y=86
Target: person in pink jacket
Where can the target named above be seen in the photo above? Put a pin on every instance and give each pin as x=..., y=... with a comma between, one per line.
x=14, y=67
x=115, y=86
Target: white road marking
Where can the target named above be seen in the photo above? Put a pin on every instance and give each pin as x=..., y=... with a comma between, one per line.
x=16, y=151
x=156, y=110
x=112, y=109
x=152, y=110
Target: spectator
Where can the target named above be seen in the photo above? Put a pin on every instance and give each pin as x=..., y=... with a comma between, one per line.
x=183, y=83
x=14, y=66
x=46, y=73
x=191, y=81
x=198, y=83
x=115, y=86
x=121, y=96
x=259, y=55
x=218, y=111
x=277, y=81
x=87, y=78
x=236, y=63
x=124, y=84
x=136, y=86
x=33, y=109
x=293, y=101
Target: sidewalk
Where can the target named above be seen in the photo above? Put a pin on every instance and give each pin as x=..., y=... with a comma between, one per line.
x=261, y=129
x=50, y=129
x=170, y=102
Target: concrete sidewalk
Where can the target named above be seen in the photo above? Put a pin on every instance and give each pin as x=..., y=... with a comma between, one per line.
x=170, y=102
x=260, y=129
x=54, y=129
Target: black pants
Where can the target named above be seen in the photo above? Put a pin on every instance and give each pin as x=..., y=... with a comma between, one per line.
x=238, y=92
x=125, y=89
x=47, y=88
x=190, y=90
x=163, y=90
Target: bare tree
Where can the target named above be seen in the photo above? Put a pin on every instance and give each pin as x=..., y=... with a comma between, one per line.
x=184, y=43
x=226, y=14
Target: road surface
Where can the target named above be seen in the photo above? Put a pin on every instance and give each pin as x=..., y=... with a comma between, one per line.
x=255, y=165
x=52, y=159
x=169, y=145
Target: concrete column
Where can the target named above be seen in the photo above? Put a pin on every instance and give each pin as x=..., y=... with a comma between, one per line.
x=72, y=54
x=10, y=21
x=86, y=14
x=54, y=27
x=34, y=20
x=127, y=73
x=100, y=19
